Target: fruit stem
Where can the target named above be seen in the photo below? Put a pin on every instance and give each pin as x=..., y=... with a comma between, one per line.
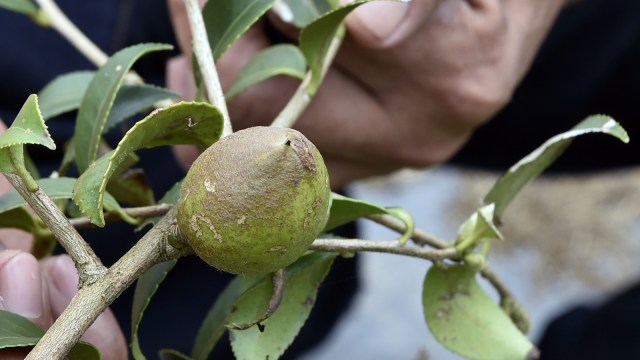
x=279, y=281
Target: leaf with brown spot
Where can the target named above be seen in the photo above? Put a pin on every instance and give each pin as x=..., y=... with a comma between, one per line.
x=465, y=320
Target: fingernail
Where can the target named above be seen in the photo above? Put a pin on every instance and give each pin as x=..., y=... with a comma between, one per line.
x=382, y=18
x=21, y=287
x=64, y=276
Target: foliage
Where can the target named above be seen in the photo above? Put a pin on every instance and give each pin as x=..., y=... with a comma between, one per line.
x=458, y=312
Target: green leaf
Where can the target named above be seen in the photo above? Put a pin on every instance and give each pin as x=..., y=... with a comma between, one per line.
x=532, y=165
x=27, y=128
x=84, y=351
x=273, y=61
x=22, y=6
x=146, y=287
x=227, y=20
x=19, y=218
x=479, y=226
x=133, y=188
x=302, y=12
x=344, y=210
x=183, y=123
x=59, y=188
x=64, y=93
x=213, y=326
x=303, y=279
x=17, y=331
x=169, y=354
x=466, y=321
x=98, y=100
x=171, y=196
x=133, y=99
x=317, y=37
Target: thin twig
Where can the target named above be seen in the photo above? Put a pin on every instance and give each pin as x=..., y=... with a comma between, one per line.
x=419, y=237
x=61, y=23
x=89, y=266
x=66, y=28
x=303, y=95
x=143, y=212
x=500, y=287
x=390, y=247
x=202, y=51
x=422, y=238
x=92, y=300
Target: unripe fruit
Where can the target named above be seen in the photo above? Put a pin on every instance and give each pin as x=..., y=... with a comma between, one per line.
x=253, y=202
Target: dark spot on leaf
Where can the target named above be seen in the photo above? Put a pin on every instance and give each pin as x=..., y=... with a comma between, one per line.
x=261, y=327
x=234, y=309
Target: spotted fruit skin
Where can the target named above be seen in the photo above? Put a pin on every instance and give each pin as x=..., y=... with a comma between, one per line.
x=253, y=202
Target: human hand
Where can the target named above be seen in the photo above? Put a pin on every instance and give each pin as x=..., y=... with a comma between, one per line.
x=409, y=86
x=41, y=290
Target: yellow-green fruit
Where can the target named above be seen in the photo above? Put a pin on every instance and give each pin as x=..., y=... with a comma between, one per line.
x=253, y=202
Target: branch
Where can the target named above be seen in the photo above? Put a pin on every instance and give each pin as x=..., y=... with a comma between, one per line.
x=419, y=237
x=390, y=247
x=303, y=96
x=93, y=299
x=422, y=238
x=500, y=287
x=61, y=23
x=202, y=51
x=89, y=266
x=69, y=31
x=143, y=212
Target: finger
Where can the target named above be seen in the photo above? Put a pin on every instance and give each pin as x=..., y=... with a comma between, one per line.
x=343, y=171
x=104, y=333
x=23, y=290
x=382, y=24
x=180, y=77
x=16, y=239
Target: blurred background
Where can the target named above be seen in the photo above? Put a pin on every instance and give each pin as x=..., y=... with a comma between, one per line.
x=569, y=240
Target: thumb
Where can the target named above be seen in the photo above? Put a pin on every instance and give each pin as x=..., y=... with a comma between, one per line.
x=380, y=24
x=374, y=24
x=104, y=333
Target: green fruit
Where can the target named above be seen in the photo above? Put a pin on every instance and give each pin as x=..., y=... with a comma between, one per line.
x=253, y=202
